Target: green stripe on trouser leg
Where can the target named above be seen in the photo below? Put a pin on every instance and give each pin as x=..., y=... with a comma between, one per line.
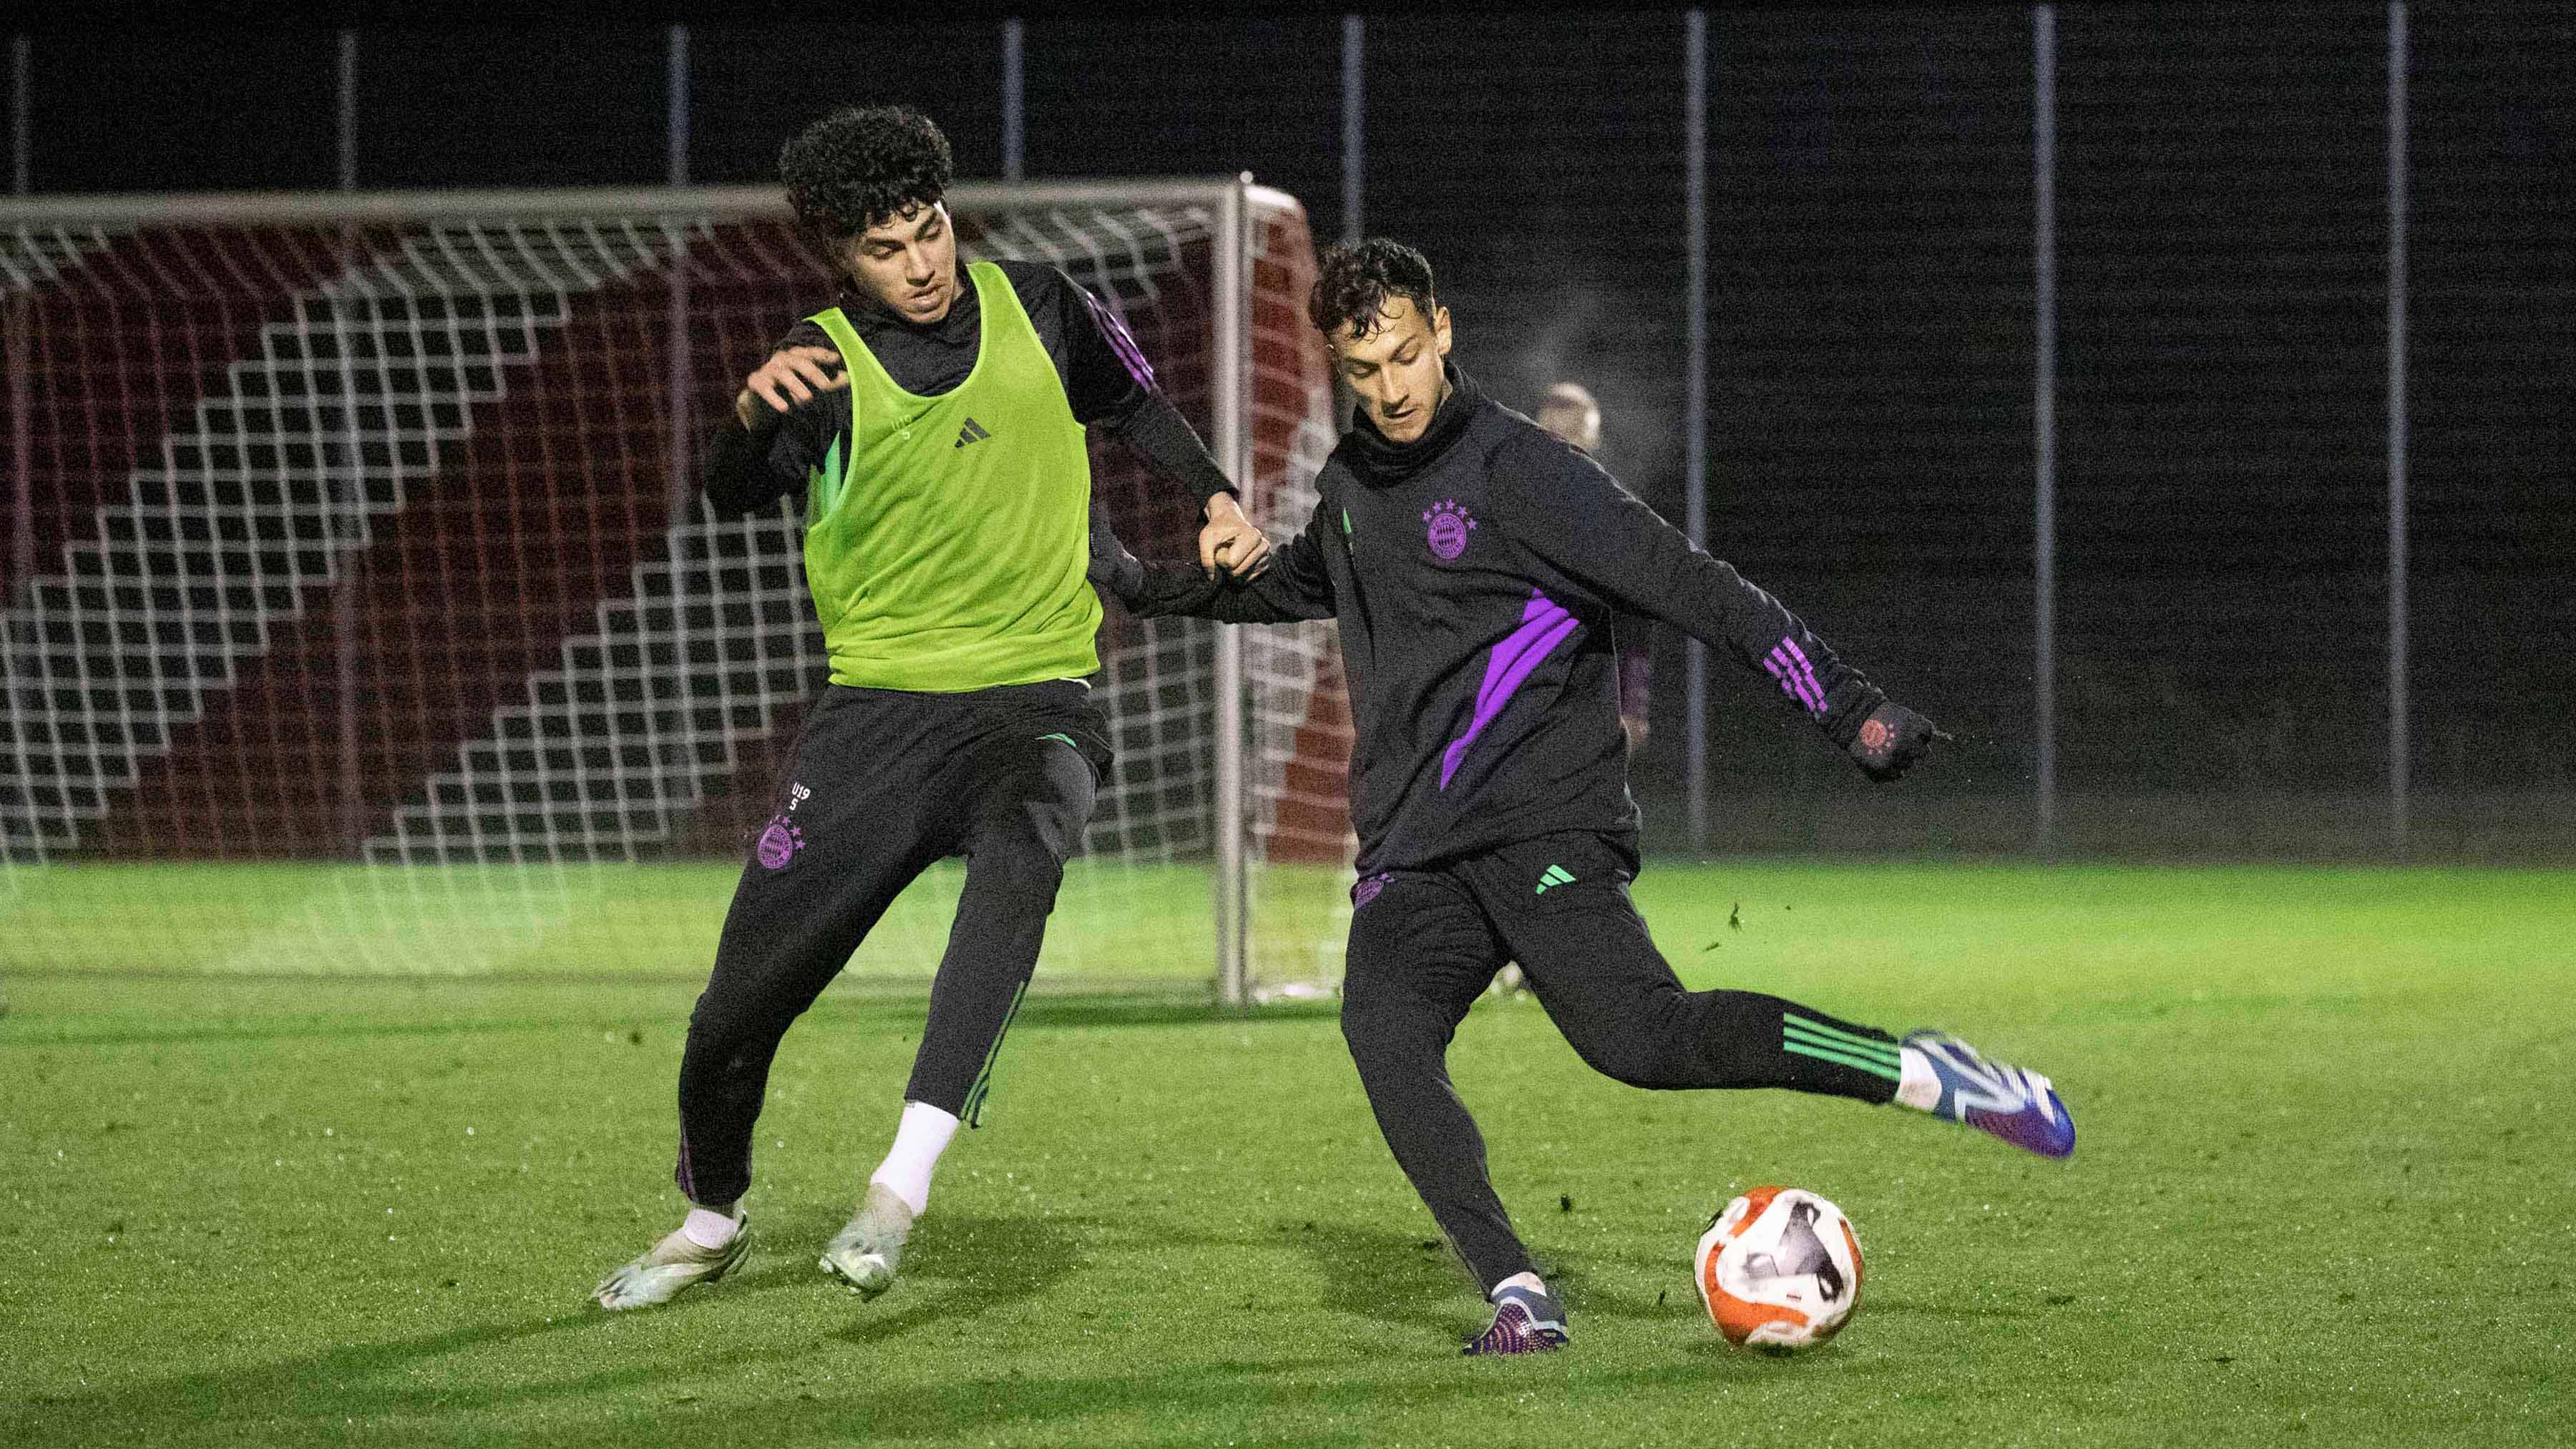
x=1807, y=1037
x=1819, y=1032
x=1857, y=1063
x=1790, y=1032
x=974, y=1113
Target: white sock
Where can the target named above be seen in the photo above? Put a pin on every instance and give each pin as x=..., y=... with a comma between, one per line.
x=1917, y=1086
x=1531, y=1281
x=918, y=1141
x=711, y=1230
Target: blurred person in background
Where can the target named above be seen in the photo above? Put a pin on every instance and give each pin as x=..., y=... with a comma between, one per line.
x=1574, y=416
x=1572, y=413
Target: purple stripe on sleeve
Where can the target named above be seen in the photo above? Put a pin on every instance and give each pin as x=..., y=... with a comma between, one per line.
x=1777, y=665
x=1778, y=669
x=1816, y=692
x=1544, y=626
x=1120, y=342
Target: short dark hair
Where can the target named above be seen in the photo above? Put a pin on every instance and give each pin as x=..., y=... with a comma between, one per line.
x=860, y=165
x=1355, y=280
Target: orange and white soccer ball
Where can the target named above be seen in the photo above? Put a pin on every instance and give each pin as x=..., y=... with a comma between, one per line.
x=1779, y=1268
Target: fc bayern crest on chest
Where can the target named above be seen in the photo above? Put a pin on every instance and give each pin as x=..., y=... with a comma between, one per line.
x=1448, y=523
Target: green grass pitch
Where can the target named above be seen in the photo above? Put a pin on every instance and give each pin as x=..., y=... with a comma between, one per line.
x=2322, y=1196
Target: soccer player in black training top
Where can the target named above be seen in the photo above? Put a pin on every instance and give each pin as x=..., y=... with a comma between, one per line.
x=1473, y=562
x=933, y=424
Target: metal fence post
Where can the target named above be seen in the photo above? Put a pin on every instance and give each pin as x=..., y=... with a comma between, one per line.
x=1695, y=391
x=2044, y=415
x=1354, y=137
x=2398, y=753
x=1014, y=102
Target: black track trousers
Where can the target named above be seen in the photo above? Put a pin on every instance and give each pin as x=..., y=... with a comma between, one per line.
x=884, y=783
x=1425, y=944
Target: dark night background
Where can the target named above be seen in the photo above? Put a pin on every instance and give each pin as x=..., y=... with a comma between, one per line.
x=2223, y=236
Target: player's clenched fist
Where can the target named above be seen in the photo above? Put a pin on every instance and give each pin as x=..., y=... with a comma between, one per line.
x=1891, y=740
x=1231, y=541
x=791, y=375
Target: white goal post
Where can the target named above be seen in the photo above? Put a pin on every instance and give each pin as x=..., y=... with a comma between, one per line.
x=353, y=556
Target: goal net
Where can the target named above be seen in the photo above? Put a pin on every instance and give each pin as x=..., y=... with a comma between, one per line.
x=361, y=614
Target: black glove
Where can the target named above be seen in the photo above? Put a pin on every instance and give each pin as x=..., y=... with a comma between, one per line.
x=1891, y=740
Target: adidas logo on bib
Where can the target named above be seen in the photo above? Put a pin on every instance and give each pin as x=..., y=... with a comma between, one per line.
x=973, y=432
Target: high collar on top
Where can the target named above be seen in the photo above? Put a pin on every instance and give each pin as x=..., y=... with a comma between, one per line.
x=1379, y=460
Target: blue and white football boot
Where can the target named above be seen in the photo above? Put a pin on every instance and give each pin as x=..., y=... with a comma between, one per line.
x=2013, y=1103
x=1525, y=1321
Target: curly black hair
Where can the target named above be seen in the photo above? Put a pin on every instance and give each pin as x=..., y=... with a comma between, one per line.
x=1355, y=280
x=860, y=165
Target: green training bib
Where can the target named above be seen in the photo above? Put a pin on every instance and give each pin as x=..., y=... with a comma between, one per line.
x=948, y=551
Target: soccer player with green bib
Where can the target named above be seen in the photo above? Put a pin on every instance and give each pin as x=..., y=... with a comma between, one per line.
x=934, y=423
x=1473, y=562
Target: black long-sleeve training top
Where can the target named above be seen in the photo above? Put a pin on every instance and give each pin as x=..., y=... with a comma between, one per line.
x=1474, y=573
x=1106, y=380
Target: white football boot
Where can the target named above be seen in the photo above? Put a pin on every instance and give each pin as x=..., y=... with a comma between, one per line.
x=864, y=1253
x=669, y=1266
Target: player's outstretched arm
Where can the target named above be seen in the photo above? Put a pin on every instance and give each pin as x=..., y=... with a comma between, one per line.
x=1293, y=586
x=1110, y=384
x=1578, y=518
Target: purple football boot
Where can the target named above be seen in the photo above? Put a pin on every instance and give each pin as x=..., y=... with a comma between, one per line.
x=1524, y=1322
x=2013, y=1103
